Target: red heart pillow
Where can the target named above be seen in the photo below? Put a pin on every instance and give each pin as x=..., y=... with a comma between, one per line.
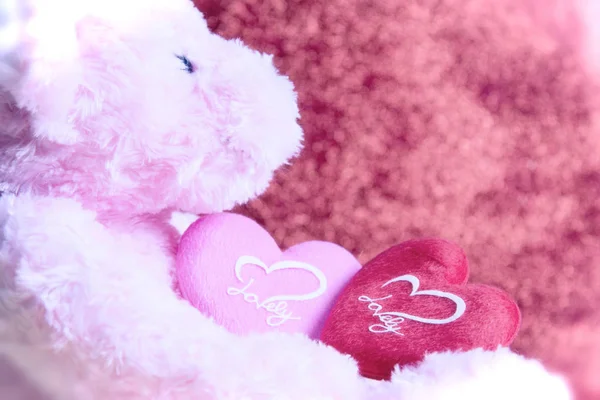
x=413, y=299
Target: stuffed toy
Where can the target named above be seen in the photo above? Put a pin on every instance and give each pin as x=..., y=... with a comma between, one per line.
x=120, y=121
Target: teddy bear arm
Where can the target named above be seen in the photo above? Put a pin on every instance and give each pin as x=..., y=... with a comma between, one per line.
x=110, y=291
x=108, y=294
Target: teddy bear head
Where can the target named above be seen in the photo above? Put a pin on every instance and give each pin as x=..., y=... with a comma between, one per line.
x=136, y=107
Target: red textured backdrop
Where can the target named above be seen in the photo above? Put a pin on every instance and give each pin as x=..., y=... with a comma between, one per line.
x=471, y=120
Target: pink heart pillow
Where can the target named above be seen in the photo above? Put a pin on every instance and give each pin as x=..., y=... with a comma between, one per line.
x=232, y=270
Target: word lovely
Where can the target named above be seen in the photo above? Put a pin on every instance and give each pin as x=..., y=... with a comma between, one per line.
x=277, y=306
x=278, y=309
x=391, y=320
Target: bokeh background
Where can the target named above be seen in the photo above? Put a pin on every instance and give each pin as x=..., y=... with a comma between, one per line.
x=472, y=120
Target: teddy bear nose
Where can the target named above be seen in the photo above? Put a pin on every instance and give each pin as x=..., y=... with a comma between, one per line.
x=258, y=106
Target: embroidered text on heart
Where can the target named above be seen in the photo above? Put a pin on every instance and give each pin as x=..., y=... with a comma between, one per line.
x=279, y=309
x=276, y=305
x=392, y=319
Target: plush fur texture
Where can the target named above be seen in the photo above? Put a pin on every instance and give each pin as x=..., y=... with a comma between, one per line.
x=12, y=16
x=120, y=114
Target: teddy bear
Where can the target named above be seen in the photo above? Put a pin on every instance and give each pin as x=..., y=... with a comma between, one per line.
x=120, y=122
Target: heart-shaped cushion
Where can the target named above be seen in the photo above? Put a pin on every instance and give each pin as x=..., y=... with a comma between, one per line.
x=231, y=269
x=413, y=299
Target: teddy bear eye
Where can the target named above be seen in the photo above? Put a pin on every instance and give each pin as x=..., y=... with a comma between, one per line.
x=188, y=66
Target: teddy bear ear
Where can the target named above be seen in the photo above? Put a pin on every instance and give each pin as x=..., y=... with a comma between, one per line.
x=46, y=70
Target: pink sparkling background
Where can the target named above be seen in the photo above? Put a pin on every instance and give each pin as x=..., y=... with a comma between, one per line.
x=471, y=120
